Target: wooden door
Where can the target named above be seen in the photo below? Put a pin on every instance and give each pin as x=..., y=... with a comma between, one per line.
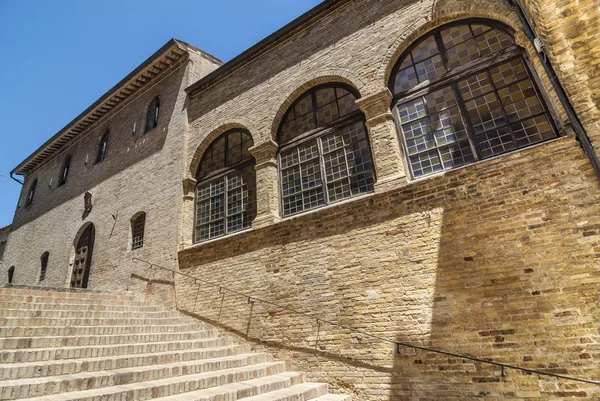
x=83, y=258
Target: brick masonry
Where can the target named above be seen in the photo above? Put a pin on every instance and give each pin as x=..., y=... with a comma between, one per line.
x=497, y=260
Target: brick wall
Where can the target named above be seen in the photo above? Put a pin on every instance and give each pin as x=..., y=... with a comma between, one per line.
x=497, y=260
x=140, y=173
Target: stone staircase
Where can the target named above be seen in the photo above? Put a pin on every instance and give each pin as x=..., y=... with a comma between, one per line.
x=117, y=347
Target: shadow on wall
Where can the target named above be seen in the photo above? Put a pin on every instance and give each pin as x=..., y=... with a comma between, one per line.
x=124, y=150
x=490, y=261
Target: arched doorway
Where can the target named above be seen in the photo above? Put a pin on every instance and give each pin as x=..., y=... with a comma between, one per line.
x=84, y=247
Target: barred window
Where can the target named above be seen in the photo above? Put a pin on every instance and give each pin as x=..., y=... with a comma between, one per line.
x=64, y=175
x=138, y=226
x=152, y=114
x=31, y=193
x=325, y=155
x=465, y=93
x=226, y=190
x=102, y=148
x=44, y=265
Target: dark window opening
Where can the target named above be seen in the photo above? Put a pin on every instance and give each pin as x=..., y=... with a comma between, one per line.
x=325, y=154
x=226, y=190
x=65, y=172
x=152, y=114
x=465, y=93
x=102, y=148
x=138, y=225
x=44, y=265
x=31, y=193
x=11, y=274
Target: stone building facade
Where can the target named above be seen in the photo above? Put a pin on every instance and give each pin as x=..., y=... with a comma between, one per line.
x=4, y=234
x=489, y=248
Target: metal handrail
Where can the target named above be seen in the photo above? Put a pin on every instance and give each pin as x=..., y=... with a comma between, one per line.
x=367, y=334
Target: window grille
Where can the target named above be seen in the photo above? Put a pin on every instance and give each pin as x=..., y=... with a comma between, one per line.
x=44, y=265
x=465, y=93
x=138, y=226
x=226, y=193
x=325, y=155
x=152, y=114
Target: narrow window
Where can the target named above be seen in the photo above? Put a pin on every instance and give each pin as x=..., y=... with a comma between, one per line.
x=225, y=195
x=65, y=172
x=44, y=265
x=465, y=93
x=138, y=224
x=152, y=114
x=31, y=193
x=102, y=147
x=11, y=274
x=324, y=150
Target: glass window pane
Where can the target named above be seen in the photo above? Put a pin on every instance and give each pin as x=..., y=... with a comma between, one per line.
x=311, y=174
x=313, y=198
x=508, y=73
x=520, y=100
x=463, y=54
x=456, y=35
x=476, y=85
x=456, y=155
x=496, y=142
x=430, y=68
x=290, y=181
x=339, y=190
x=425, y=163
x=485, y=113
x=405, y=79
x=437, y=101
x=493, y=42
x=346, y=102
x=425, y=49
x=534, y=130
x=412, y=110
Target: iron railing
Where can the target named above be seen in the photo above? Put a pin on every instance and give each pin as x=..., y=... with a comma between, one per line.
x=398, y=344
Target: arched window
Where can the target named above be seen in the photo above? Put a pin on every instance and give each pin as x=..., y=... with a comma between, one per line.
x=138, y=226
x=324, y=154
x=225, y=195
x=31, y=193
x=44, y=265
x=152, y=114
x=465, y=93
x=64, y=175
x=102, y=148
x=11, y=274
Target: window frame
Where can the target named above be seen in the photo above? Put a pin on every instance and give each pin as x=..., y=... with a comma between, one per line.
x=453, y=76
x=44, y=265
x=153, y=107
x=138, y=244
x=102, y=147
x=321, y=131
x=31, y=193
x=65, y=171
x=220, y=174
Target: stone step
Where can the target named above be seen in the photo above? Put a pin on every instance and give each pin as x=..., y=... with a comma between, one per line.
x=46, y=354
x=60, y=296
x=285, y=387
x=31, y=299
x=43, y=321
x=166, y=387
x=333, y=397
x=4, y=304
x=118, y=377
x=7, y=343
x=24, y=370
x=68, y=314
x=46, y=331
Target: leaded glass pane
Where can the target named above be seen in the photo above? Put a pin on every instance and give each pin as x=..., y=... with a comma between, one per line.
x=491, y=111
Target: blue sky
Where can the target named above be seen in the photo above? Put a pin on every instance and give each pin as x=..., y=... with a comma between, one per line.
x=59, y=56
